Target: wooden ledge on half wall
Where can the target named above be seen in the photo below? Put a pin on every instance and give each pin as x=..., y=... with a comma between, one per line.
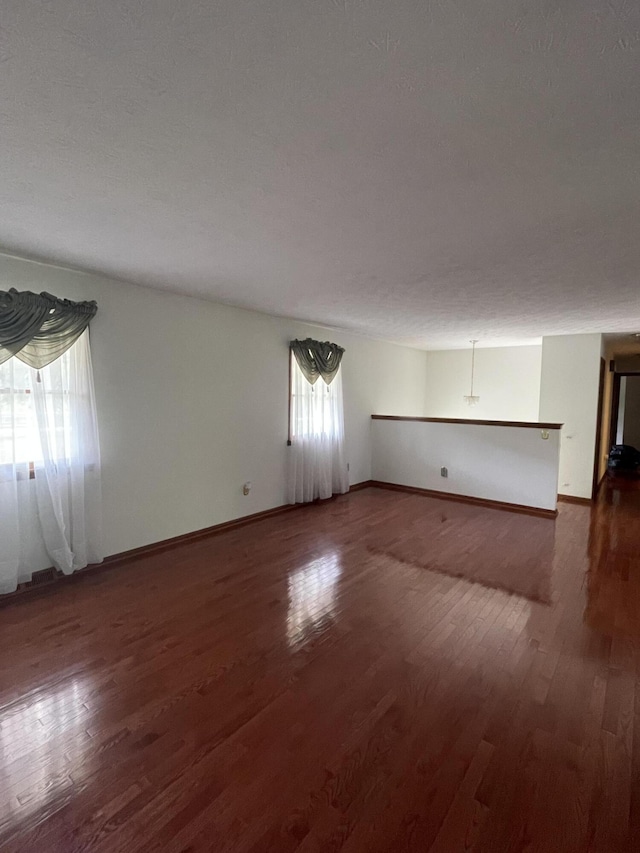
x=470, y=421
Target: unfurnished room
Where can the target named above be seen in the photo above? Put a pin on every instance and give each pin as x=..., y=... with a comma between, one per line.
x=319, y=426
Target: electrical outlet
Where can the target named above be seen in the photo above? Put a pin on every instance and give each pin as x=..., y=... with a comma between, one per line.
x=444, y=472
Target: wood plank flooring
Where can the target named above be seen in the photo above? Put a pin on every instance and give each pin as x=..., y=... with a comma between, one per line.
x=384, y=672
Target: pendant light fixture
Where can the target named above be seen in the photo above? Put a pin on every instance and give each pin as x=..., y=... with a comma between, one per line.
x=472, y=399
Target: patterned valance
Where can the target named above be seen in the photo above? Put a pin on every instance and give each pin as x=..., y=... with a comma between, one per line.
x=38, y=328
x=317, y=358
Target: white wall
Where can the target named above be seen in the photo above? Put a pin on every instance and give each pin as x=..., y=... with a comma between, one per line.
x=192, y=401
x=508, y=464
x=507, y=379
x=569, y=395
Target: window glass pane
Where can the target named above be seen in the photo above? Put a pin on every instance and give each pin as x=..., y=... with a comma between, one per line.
x=314, y=411
x=19, y=435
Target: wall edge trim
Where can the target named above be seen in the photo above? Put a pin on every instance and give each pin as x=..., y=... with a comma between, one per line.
x=32, y=589
x=468, y=499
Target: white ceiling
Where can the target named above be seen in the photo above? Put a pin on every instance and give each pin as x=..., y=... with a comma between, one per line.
x=425, y=171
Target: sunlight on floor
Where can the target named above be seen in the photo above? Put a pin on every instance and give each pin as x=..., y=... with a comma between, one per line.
x=35, y=756
x=312, y=597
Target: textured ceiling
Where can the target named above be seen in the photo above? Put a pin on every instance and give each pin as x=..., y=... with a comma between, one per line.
x=424, y=171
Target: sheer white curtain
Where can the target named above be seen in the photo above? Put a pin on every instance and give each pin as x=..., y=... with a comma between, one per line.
x=49, y=466
x=317, y=466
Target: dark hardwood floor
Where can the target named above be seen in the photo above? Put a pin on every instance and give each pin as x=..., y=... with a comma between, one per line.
x=384, y=672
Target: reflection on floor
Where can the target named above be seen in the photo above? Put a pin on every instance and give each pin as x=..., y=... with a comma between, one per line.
x=613, y=580
x=382, y=672
x=312, y=597
x=32, y=720
x=516, y=556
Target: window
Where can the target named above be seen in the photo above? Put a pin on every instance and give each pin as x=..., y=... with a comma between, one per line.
x=23, y=393
x=19, y=440
x=48, y=434
x=316, y=464
x=314, y=410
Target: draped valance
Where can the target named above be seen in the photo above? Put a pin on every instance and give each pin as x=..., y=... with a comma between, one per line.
x=38, y=328
x=317, y=358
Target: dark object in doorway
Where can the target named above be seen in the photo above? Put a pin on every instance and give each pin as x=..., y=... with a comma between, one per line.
x=624, y=457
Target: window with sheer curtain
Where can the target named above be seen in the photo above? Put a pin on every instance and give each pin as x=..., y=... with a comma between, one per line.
x=317, y=467
x=49, y=435
x=315, y=408
x=19, y=432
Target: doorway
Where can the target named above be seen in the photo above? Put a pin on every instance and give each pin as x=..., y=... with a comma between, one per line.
x=625, y=410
